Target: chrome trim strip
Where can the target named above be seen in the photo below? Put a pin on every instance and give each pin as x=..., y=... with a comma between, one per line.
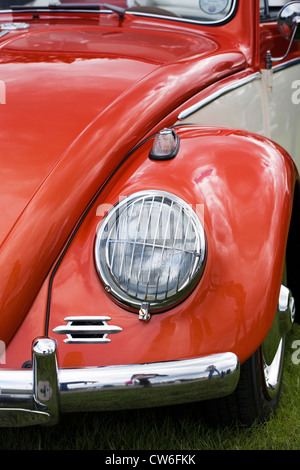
x=286, y=310
x=86, y=329
x=71, y=340
x=272, y=372
x=41, y=9
x=39, y=395
x=223, y=91
x=272, y=347
x=88, y=318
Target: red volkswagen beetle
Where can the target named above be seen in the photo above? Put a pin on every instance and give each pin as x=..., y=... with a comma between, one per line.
x=149, y=205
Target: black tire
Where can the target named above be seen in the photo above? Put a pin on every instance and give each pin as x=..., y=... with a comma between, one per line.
x=254, y=399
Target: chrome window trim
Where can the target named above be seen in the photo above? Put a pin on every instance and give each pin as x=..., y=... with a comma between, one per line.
x=214, y=96
x=233, y=86
x=187, y=20
x=41, y=9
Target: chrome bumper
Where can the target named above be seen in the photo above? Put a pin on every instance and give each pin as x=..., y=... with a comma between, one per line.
x=39, y=395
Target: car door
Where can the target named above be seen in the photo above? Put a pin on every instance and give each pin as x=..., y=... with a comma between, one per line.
x=282, y=81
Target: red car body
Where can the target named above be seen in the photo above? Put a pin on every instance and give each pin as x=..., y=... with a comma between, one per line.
x=85, y=94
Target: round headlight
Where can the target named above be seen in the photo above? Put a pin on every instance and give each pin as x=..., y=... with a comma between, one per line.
x=150, y=249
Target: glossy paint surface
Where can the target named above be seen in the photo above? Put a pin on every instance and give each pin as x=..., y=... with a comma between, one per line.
x=246, y=236
x=68, y=159
x=58, y=94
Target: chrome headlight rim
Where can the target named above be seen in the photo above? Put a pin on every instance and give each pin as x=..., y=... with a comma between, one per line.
x=102, y=262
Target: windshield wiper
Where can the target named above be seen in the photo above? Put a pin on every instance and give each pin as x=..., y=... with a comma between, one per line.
x=74, y=6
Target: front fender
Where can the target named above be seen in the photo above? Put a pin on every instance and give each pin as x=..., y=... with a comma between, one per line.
x=241, y=185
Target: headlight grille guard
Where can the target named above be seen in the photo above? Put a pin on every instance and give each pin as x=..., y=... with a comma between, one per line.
x=150, y=251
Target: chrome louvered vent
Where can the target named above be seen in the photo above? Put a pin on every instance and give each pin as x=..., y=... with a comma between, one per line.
x=89, y=329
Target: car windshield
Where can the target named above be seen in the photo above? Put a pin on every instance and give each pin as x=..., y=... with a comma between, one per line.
x=204, y=11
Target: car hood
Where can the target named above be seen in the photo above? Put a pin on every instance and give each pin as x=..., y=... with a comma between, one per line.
x=74, y=101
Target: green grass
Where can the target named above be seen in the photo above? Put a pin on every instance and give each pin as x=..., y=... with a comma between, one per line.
x=170, y=428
